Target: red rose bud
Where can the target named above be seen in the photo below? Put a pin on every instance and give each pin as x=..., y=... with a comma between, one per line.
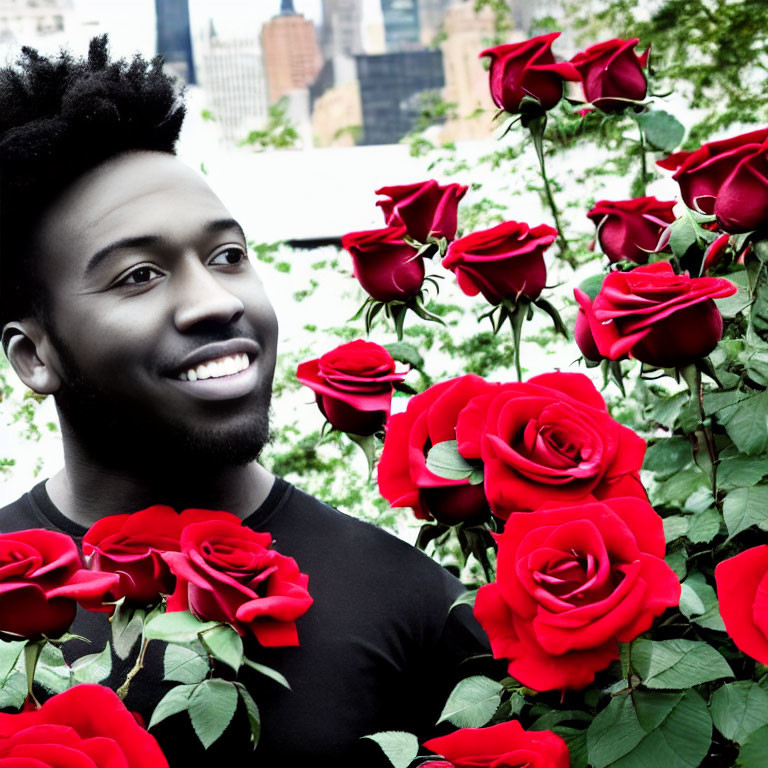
x=630, y=229
x=405, y=480
x=656, y=316
x=353, y=385
x=572, y=583
x=506, y=744
x=42, y=580
x=714, y=253
x=527, y=69
x=503, y=262
x=226, y=572
x=612, y=72
x=733, y=168
x=550, y=439
x=84, y=726
x=384, y=264
x=425, y=209
x=582, y=331
x=742, y=598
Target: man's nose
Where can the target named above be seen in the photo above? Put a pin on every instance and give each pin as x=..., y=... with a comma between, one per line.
x=202, y=297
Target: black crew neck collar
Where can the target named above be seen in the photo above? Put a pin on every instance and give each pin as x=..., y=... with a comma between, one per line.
x=39, y=496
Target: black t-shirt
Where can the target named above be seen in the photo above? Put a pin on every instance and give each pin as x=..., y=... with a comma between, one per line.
x=379, y=649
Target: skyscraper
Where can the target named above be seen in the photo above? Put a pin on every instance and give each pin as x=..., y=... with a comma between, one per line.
x=401, y=24
x=291, y=55
x=174, y=41
x=431, y=14
x=342, y=28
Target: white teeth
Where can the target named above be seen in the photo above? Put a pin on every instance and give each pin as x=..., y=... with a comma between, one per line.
x=214, y=369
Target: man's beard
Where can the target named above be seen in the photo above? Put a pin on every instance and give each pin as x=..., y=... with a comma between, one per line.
x=122, y=434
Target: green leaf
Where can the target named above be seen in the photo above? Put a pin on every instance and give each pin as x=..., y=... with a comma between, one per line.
x=472, y=702
x=698, y=602
x=127, y=627
x=10, y=652
x=224, y=644
x=465, y=598
x=272, y=674
x=683, y=236
x=755, y=748
x=745, y=507
x=184, y=665
x=730, y=306
x=676, y=559
x=176, y=627
x=212, y=706
x=669, y=730
x=740, y=471
x=404, y=352
x=667, y=409
x=662, y=130
x=52, y=672
x=704, y=526
x=675, y=490
x=739, y=709
x=13, y=691
x=592, y=285
x=94, y=667
x=677, y=663
x=252, y=710
x=401, y=748
x=675, y=526
x=747, y=425
x=445, y=460
x=668, y=456
x=175, y=701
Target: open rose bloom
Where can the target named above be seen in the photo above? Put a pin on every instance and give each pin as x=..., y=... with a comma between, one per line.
x=573, y=582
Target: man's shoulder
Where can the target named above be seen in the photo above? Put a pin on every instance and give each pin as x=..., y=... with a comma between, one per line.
x=19, y=514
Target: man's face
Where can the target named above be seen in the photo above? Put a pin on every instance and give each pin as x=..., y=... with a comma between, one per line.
x=164, y=338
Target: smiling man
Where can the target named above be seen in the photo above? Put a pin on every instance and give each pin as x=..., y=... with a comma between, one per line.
x=126, y=293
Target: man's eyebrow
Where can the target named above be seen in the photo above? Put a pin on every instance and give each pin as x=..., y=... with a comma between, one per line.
x=144, y=241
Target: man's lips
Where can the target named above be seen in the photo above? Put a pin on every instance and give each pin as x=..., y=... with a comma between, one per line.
x=217, y=352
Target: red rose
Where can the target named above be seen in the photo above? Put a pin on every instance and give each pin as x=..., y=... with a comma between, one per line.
x=571, y=583
x=656, y=316
x=629, y=229
x=426, y=209
x=549, y=439
x=353, y=385
x=384, y=264
x=714, y=253
x=728, y=178
x=582, y=330
x=226, y=572
x=742, y=592
x=84, y=726
x=612, y=71
x=131, y=546
x=506, y=744
x=502, y=262
x=527, y=69
x=42, y=579
x=429, y=419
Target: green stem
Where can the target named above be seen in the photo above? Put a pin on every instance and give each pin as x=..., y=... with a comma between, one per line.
x=516, y=318
x=32, y=653
x=122, y=691
x=709, y=438
x=537, y=127
x=643, y=160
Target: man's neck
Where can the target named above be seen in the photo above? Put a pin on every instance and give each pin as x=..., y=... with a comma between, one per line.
x=85, y=490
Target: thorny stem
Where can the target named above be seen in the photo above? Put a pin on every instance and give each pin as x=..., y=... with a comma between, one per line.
x=708, y=436
x=122, y=691
x=536, y=128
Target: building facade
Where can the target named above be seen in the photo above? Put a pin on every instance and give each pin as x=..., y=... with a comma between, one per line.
x=174, y=40
x=401, y=25
x=342, y=28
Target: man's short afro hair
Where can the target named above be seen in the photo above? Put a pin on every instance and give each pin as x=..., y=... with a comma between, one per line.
x=60, y=117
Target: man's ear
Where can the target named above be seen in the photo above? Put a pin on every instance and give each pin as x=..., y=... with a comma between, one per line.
x=31, y=354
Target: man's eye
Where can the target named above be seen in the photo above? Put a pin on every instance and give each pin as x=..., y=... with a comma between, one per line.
x=140, y=276
x=230, y=257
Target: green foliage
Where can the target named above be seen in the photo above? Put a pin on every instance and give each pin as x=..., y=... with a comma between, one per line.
x=400, y=748
x=739, y=709
x=472, y=702
x=278, y=133
x=676, y=664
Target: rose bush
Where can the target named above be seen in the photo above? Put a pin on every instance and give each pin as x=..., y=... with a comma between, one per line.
x=502, y=262
x=612, y=73
x=384, y=264
x=571, y=583
x=629, y=229
x=527, y=69
x=728, y=178
x=742, y=590
x=42, y=581
x=353, y=385
x=550, y=439
x=403, y=476
x=505, y=744
x=227, y=572
x=84, y=727
x=654, y=315
x=426, y=209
